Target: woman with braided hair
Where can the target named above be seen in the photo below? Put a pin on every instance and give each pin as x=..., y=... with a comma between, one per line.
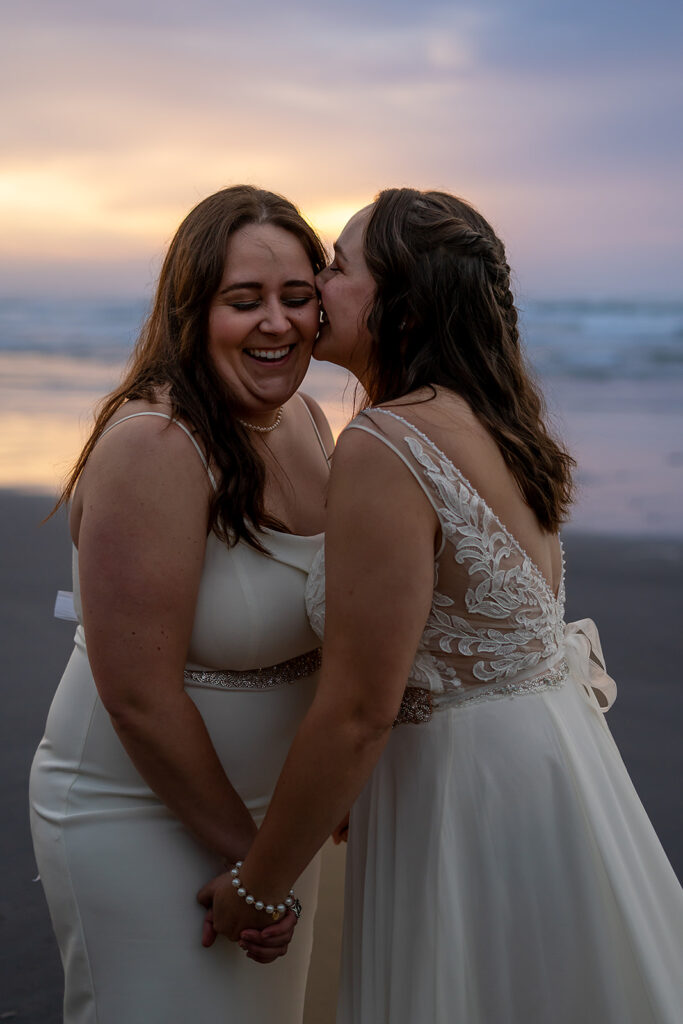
x=501, y=869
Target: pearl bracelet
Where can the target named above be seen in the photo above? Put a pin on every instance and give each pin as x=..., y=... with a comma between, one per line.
x=272, y=909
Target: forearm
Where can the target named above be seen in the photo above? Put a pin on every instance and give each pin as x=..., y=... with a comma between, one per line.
x=329, y=762
x=171, y=748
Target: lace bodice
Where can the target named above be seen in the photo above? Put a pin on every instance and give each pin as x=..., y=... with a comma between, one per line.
x=493, y=619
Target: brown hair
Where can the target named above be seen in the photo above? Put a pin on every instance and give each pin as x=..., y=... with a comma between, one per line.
x=171, y=353
x=443, y=314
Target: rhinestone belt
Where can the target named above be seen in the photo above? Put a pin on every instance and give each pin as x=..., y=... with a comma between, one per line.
x=418, y=704
x=257, y=678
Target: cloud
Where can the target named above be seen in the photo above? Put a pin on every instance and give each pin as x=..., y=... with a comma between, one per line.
x=118, y=117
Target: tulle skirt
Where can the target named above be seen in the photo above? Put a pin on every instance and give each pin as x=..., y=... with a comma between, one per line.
x=502, y=870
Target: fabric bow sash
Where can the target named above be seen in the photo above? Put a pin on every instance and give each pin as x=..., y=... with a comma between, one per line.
x=587, y=664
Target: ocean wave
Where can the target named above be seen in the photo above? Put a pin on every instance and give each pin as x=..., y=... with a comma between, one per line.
x=579, y=339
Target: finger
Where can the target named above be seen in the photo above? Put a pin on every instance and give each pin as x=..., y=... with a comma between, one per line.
x=205, y=894
x=283, y=928
x=286, y=924
x=209, y=933
x=269, y=936
x=265, y=956
x=258, y=939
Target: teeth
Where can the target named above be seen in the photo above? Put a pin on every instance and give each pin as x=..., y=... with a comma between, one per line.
x=269, y=353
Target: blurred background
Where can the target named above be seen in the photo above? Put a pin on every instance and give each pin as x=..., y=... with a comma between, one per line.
x=561, y=123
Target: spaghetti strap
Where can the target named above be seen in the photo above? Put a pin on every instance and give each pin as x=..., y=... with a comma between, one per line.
x=428, y=493
x=315, y=427
x=165, y=416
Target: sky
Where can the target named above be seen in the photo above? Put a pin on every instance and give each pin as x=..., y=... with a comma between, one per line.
x=561, y=122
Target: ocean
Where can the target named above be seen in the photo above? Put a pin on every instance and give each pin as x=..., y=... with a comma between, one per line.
x=612, y=373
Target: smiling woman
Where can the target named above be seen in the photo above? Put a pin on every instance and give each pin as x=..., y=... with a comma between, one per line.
x=196, y=510
x=263, y=318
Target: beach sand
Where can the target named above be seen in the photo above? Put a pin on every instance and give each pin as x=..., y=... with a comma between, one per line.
x=633, y=588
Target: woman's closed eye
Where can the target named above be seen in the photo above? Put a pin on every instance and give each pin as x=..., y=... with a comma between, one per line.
x=295, y=302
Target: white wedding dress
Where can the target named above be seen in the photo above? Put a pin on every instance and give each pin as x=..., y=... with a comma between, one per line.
x=120, y=872
x=501, y=868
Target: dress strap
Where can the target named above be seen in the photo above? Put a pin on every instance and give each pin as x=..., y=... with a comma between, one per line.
x=369, y=427
x=165, y=416
x=439, y=471
x=315, y=427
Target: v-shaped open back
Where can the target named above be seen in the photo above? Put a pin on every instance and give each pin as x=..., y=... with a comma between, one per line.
x=494, y=617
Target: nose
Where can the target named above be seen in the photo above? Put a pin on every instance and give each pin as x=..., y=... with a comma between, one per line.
x=275, y=319
x=321, y=277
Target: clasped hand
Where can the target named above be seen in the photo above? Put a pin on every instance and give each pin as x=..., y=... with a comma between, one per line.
x=227, y=914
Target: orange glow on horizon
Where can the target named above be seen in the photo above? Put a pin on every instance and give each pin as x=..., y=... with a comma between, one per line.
x=51, y=212
x=47, y=405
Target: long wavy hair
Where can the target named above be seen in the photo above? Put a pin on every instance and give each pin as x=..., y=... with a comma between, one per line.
x=443, y=314
x=171, y=355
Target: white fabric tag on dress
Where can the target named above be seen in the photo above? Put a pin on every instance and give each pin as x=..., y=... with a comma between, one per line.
x=64, y=606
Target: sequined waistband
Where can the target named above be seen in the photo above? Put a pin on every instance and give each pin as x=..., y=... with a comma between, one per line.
x=257, y=678
x=418, y=704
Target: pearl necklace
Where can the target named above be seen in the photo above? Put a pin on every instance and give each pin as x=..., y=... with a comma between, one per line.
x=263, y=430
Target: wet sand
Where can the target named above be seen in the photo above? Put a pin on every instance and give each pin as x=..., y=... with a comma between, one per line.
x=632, y=587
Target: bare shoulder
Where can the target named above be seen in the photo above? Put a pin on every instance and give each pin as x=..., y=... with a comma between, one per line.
x=145, y=436
x=373, y=493
x=320, y=420
x=448, y=421
x=365, y=462
x=145, y=465
x=433, y=407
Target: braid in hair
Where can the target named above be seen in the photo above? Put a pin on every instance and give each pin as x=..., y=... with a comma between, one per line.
x=440, y=269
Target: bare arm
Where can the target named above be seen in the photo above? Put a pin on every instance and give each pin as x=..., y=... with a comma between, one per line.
x=380, y=554
x=141, y=541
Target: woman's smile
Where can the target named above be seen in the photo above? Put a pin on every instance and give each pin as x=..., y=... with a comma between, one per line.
x=263, y=319
x=270, y=355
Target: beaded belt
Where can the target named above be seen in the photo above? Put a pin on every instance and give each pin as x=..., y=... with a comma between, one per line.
x=418, y=704
x=257, y=678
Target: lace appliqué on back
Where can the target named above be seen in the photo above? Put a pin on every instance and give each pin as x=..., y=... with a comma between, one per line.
x=531, y=618
x=493, y=617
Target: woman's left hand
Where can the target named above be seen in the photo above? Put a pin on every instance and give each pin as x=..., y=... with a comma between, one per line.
x=227, y=915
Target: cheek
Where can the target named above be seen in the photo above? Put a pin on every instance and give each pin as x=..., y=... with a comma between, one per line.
x=338, y=303
x=309, y=323
x=223, y=331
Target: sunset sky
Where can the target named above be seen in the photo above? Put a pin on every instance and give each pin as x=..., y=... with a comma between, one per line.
x=561, y=122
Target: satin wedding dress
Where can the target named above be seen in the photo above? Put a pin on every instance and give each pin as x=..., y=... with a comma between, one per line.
x=120, y=873
x=501, y=868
